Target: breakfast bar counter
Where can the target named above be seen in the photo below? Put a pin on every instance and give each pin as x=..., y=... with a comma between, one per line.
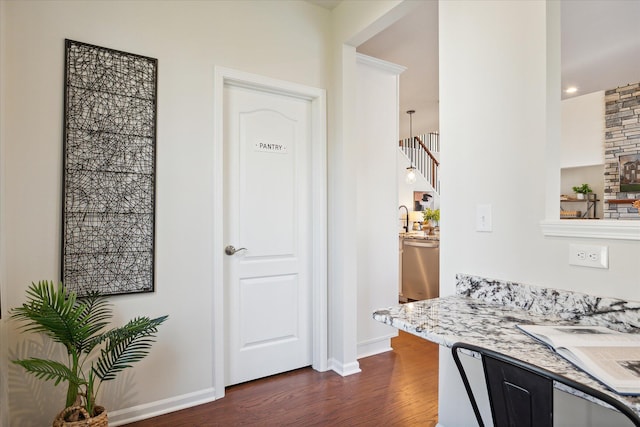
x=485, y=313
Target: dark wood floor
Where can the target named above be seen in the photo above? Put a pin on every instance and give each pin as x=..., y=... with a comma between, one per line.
x=397, y=388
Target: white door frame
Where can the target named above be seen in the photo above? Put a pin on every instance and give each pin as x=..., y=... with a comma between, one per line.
x=317, y=99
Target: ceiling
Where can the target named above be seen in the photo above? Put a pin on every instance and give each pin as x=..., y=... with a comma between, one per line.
x=600, y=50
x=413, y=43
x=327, y=4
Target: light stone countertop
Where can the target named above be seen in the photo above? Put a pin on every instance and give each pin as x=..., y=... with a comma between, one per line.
x=419, y=235
x=485, y=313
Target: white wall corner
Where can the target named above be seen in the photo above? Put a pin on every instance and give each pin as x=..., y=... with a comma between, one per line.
x=375, y=346
x=344, y=369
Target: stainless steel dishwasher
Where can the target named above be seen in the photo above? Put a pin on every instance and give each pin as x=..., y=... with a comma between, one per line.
x=420, y=269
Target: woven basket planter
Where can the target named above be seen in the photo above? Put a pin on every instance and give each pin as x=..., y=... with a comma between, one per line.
x=99, y=420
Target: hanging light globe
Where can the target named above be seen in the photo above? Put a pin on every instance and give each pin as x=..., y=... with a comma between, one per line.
x=410, y=178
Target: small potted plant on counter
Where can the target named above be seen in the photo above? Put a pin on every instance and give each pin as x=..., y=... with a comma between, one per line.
x=430, y=218
x=581, y=190
x=94, y=354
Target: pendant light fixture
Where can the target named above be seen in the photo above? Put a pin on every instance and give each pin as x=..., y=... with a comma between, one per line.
x=410, y=178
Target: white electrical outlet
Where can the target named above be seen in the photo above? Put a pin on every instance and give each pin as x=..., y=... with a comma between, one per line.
x=589, y=256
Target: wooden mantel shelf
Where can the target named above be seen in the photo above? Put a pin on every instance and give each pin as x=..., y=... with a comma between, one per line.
x=575, y=199
x=620, y=201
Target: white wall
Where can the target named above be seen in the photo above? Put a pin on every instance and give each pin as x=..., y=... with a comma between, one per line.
x=583, y=131
x=493, y=55
x=498, y=156
x=4, y=406
x=582, y=147
x=376, y=194
x=352, y=23
x=280, y=39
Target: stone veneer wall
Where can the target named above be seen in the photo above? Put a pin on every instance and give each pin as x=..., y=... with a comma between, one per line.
x=622, y=136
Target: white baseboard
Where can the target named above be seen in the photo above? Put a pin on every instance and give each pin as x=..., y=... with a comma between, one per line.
x=344, y=369
x=160, y=407
x=375, y=346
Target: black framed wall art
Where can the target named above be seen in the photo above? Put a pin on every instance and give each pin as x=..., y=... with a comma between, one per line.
x=109, y=156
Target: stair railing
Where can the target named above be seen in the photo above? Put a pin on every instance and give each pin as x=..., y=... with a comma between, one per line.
x=423, y=156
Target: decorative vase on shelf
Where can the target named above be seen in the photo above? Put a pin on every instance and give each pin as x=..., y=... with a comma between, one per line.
x=427, y=228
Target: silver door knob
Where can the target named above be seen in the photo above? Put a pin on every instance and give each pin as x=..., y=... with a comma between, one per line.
x=230, y=250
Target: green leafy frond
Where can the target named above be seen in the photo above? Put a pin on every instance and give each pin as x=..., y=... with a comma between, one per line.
x=62, y=316
x=126, y=345
x=49, y=370
x=50, y=310
x=95, y=317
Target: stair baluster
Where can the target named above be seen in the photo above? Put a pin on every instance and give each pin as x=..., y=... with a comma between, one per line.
x=424, y=159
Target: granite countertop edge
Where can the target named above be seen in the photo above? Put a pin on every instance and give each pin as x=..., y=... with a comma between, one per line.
x=491, y=324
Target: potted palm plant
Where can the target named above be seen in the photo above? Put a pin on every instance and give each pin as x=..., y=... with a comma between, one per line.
x=95, y=354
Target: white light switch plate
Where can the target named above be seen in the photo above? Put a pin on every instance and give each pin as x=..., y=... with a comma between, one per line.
x=589, y=256
x=483, y=218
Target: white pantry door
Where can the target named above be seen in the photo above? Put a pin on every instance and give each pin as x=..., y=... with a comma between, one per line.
x=267, y=206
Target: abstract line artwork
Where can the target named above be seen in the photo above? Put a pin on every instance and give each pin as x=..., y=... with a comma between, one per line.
x=109, y=171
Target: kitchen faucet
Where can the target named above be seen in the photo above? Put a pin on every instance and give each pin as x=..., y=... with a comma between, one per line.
x=406, y=227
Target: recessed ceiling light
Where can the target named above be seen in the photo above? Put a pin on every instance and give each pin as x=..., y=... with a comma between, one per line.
x=571, y=89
